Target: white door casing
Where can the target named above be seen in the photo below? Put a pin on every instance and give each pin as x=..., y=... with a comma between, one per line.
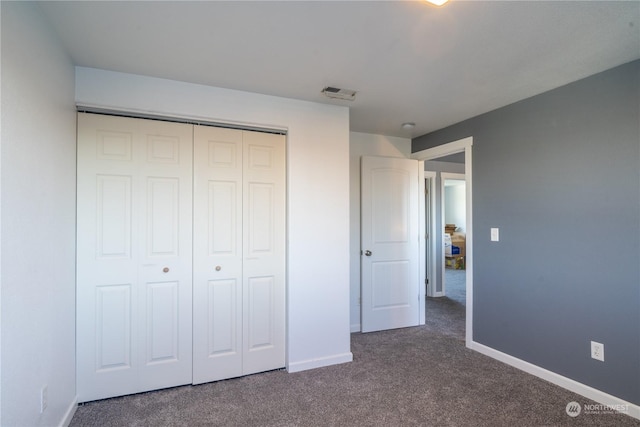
x=390, y=243
x=133, y=255
x=239, y=253
x=463, y=145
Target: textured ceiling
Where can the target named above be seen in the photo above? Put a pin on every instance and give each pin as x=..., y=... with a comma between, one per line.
x=409, y=61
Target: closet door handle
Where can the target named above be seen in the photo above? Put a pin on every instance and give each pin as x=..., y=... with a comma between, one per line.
x=218, y=268
x=165, y=270
x=367, y=252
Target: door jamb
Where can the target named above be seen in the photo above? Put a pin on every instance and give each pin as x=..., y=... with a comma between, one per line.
x=461, y=145
x=427, y=253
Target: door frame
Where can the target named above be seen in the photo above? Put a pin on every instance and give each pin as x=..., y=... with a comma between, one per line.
x=458, y=146
x=428, y=269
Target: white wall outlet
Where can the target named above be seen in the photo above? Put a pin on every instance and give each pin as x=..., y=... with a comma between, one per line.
x=597, y=351
x=495, y=234
x=44, y=397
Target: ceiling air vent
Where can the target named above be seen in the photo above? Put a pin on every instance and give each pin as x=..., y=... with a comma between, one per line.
x=337, y=93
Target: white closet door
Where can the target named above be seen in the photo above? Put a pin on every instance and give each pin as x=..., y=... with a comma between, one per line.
x=134, y=240
x=217, y=254
x=264, y=252
x=239, y=253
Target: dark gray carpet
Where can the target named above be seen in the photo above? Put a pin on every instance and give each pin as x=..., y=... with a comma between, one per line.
x=422, y=376
x=455, y=285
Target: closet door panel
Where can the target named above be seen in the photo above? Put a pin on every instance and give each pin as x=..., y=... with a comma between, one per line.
x=165, y=252
x=239, y=216
x=107, y=258
x=113, y=216
x=162, y=322
x=217, y=258
x=113, y=327
x=261, y=294
x=260, y=219
x=264, y=252
x=223, y=218
x=134, y=220
x=163, y=228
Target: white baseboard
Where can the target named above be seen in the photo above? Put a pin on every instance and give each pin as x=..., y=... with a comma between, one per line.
x=66, y=420
x=355, y=327
x=564, y=382
x=320, y=362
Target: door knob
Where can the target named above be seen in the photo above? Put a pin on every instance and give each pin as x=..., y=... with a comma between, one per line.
x=367, y=253
x=218, y=268
x=165, y=270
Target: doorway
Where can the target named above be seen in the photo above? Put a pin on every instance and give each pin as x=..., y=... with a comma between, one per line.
x=436, y=244
x=453, y=220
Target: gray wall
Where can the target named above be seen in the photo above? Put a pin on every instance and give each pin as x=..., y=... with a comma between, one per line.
x=559, y=174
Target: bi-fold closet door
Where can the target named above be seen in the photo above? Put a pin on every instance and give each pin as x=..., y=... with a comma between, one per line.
x=180, y=267
x=239, y=247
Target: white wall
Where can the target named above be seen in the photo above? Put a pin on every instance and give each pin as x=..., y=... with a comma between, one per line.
x=38, y=221
x=318, y=197
x=455, y=210
x=364, y=144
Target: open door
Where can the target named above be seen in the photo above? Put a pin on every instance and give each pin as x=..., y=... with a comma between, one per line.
x=390, y=243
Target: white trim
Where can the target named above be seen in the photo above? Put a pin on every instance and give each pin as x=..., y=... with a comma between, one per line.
x=559, y=380
x=68, y=415
x=422, y=289
x=469, y=240
x=458, y=146
x=320, y=362
x=432, y=232
x=355, y=327
x=444, y=149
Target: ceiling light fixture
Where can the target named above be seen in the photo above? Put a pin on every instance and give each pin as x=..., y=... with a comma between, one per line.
x=408, y=125
x=437, y=2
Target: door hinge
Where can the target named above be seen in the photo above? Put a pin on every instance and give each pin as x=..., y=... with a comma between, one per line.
x=426, y=281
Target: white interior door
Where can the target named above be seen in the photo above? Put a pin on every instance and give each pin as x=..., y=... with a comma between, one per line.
x=390, y=243
x=134, y=282
x=239, y=253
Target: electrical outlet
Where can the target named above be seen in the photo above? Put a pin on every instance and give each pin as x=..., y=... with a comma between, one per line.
x=597, y=351
x=44, y=397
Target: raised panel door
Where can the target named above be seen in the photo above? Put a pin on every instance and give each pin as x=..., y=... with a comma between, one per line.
x=134, y=221
x=390, y=243
x=217, y=255
x=264, y=252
